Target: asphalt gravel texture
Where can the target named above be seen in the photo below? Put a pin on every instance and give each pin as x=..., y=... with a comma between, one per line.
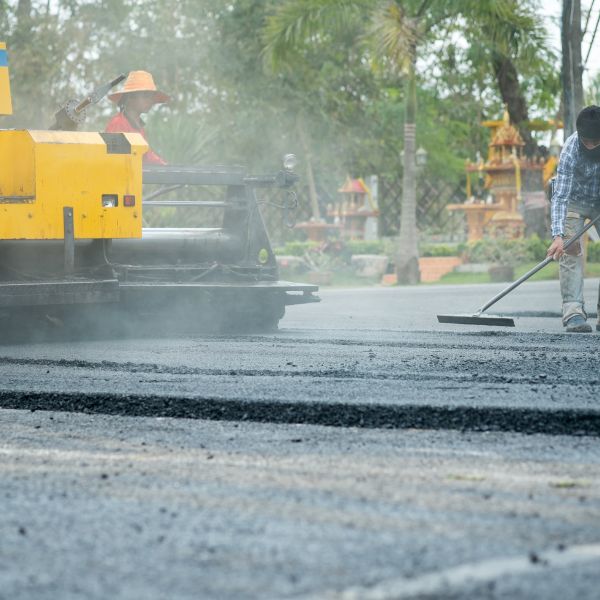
x=363, y=451
x=97, y=506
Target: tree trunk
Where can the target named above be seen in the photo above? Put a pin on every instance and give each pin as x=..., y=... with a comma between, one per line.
x=23, y=10
x=407, y=257
x=512, y=95
x=571, y=74
x=312, y=188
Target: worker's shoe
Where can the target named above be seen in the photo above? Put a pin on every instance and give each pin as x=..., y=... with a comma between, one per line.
x=578, y=324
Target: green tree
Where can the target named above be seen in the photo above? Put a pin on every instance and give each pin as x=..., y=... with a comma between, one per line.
x=398, y=33
x=339, y=91
x=312, y=109
x=37, y=39
x=517, y=54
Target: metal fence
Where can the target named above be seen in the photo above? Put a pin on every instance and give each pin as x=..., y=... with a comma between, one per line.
x=432, y=214
x=432, y=200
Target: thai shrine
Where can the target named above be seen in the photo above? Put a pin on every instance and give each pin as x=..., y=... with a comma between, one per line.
x=356, y=211
x=508, y=197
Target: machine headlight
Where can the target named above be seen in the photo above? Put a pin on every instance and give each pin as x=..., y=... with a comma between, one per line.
x=110, y=200
x=290, y=161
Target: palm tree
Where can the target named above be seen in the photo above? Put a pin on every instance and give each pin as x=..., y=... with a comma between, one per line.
x=397, y=30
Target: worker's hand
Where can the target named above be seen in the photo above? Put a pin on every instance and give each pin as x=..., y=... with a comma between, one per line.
x=556, y=249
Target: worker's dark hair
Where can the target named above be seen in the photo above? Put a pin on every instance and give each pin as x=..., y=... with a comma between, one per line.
x=588, y=122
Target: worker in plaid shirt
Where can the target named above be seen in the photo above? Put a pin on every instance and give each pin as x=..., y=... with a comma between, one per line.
x=576, y=197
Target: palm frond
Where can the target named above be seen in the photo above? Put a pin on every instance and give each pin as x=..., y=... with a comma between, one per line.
x=393, y=33
x=182, y=138
x=296, y=22
x=509, y=25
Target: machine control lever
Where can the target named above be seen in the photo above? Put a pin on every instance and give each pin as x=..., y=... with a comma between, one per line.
x=72, y=113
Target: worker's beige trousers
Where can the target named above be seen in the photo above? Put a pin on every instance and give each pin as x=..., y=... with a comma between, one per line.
x=571, y=268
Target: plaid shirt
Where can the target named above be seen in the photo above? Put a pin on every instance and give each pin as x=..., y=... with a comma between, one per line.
x=577, y=184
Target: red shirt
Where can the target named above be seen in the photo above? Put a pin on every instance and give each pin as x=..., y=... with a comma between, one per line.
x=121, y=124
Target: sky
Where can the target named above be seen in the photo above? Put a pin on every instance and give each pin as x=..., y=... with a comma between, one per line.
x=551, y=11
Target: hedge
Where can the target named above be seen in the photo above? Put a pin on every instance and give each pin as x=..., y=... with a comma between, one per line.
x=531, y=249
x=442, y=250
x=593, y=250
x=295, y=248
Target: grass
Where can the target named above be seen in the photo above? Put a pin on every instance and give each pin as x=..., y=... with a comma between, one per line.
x=345, y=278
x=547, y=273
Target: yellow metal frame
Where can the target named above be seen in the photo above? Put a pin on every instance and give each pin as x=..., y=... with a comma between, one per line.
x=5, y=98
x=43, y=171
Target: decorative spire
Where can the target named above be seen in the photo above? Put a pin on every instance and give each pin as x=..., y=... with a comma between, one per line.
x=507, y=134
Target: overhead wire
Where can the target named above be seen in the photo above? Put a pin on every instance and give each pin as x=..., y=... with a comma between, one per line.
x=587, y=19
x=593, y=37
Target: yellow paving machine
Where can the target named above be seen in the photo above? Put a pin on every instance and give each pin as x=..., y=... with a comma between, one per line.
x=72, y=234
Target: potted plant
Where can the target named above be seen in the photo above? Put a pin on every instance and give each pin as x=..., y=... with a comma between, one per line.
x=502, y=254
x=321, y=261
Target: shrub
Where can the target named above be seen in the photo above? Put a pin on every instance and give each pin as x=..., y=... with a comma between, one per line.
x=364, y=247
x=343, y=249
x=497, y=251
x=295, y=248
x=440, y=250
x=536, y=248
x=593, y=252
x=507, y=252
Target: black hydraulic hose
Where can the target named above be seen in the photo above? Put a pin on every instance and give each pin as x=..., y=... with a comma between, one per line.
x=162, y=191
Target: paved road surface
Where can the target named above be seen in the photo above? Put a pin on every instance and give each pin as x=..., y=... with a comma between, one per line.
x=457, y=462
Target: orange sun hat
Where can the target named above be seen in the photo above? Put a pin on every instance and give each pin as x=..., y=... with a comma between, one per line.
x=139, y=81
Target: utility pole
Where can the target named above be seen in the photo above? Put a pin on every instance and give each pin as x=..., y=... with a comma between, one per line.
x=572, y=66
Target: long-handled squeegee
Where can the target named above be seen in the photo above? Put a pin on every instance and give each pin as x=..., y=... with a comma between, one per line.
x=479, y=319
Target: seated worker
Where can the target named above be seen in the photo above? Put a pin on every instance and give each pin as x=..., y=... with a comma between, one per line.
x=138, y=96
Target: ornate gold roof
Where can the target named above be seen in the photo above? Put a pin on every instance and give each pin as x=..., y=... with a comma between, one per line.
x=507, y=134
